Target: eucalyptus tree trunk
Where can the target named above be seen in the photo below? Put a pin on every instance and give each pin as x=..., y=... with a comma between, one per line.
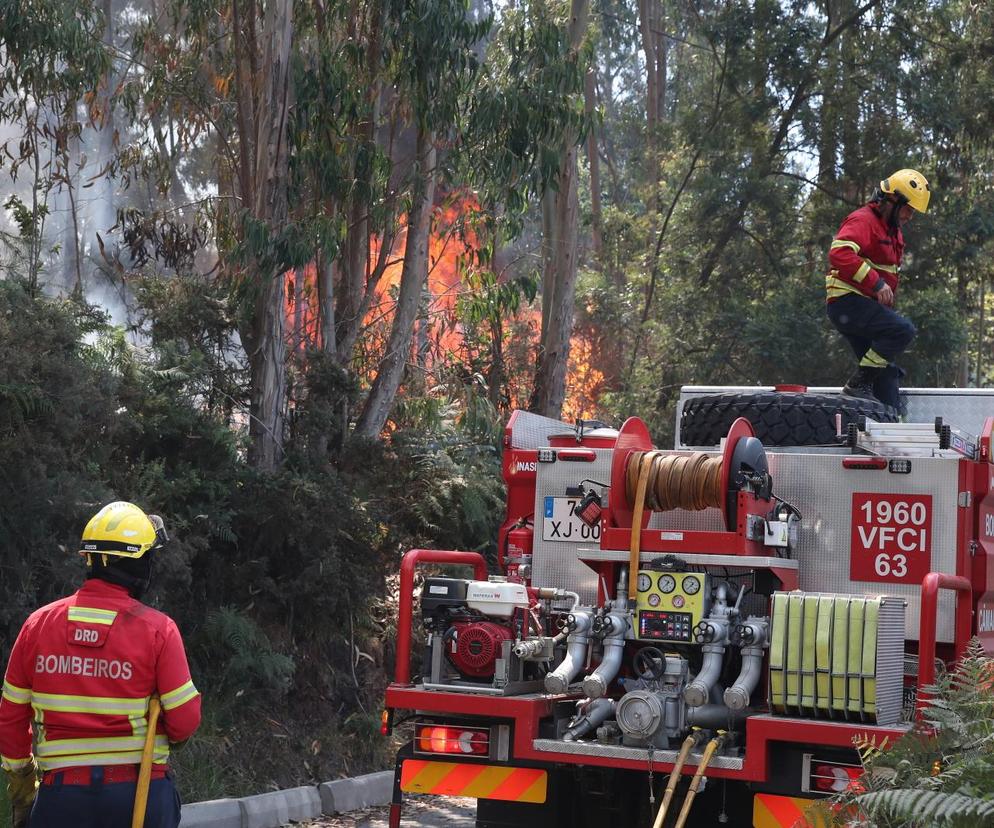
x=72, y=274
x=325, y=279
x=560, y=265
x=105, y=212
x=594, y=162
x=354, y=286
x=415, y=272
x=831, y=111
x=266, y=343
x=652, y=17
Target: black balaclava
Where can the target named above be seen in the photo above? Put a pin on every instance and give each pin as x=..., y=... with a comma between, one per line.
x=898, y=201
x=134, y=574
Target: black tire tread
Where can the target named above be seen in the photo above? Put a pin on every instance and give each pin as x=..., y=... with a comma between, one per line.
x=778, y=418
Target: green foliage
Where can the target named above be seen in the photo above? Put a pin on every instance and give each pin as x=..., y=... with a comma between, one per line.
x=58, y=419
x=431, y=43
x=28, y=221
x=277, y=581
x=450, y=487
x=942, y=333
x=941, y=773
x=529, y=98
x=241, y=657
x=53, y=59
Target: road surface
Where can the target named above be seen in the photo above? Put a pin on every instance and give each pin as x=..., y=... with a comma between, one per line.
x=433, y=812
x=419, y=811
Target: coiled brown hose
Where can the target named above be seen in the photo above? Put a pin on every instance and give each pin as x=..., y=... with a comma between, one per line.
x=661, y=482
x=675, y=481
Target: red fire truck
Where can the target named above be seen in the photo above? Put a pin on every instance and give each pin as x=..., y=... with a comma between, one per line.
x=696, y=636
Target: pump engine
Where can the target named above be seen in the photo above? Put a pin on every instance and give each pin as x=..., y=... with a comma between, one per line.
x=486, y=636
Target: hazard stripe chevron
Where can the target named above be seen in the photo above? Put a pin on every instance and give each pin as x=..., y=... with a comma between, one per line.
x=772, y=811
x=481, y=781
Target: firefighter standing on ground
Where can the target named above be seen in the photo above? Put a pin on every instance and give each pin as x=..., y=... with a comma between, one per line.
x=865, y=257
x=87, y=666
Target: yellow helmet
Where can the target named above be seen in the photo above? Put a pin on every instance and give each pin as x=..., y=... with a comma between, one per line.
x=910, y=186
x=122, y=529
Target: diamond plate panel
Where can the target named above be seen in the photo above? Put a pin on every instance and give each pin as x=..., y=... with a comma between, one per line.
x=633, y=753
x=555, y=563
x=532, y=431
x=965, y=408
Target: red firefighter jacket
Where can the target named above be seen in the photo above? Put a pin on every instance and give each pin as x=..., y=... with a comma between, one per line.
x=83, y=668
x=864, y=256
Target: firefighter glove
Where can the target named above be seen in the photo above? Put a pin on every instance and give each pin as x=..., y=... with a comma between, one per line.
x=22, y=785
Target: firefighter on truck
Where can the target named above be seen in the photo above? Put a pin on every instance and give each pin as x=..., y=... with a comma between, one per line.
x=85, y=669
x=861, y=285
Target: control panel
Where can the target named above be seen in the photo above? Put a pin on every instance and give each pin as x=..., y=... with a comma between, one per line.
x=669, y=604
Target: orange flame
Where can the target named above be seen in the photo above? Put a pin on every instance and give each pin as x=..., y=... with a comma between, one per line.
x=440, y=338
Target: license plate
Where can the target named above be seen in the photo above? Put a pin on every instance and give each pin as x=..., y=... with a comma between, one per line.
x=561, y=523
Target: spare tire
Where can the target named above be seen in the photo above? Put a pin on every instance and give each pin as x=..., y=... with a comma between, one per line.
x=778, y=418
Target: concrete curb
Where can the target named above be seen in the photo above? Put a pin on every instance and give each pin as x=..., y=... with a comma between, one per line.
x=355, y=794
x=271, y=810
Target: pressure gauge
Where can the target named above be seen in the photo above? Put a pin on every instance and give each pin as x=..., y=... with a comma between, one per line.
x=644, y=582
x=667, y=583
x=654, y=600
x=691, y=585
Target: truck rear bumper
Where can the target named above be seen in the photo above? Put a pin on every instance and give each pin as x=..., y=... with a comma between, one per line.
x=527, y=712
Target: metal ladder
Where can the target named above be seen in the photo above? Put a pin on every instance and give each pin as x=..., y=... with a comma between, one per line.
x=911, y=439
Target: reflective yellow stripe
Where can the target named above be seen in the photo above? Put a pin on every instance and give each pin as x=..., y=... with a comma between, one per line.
x=17, y=695
x=107, y=744
x=861, y=272
x=139, y=725
x=13, y=764
x=884, y=268
x=871, y=359
x=181, y=695
x=127, y=757
x=89, y=704
x=845, y=243
x=92, y=615
x=837, y=288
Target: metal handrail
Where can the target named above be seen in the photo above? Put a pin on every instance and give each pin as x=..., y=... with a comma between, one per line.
x=931, y=585
x=402, y=667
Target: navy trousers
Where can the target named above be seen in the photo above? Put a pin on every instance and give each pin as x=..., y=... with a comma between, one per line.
x=103, y=806
x=866, y=324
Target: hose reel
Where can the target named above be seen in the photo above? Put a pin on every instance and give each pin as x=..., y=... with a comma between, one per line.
x=675, y=481
x=685, y=481
x=645, y=480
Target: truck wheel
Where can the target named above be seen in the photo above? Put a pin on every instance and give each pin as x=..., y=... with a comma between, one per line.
x=779, y=418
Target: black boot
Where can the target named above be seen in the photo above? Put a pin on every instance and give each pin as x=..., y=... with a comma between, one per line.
x=860, y=384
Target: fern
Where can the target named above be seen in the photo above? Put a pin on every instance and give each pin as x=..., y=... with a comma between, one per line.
x=24, y=401
x=942, y=772
x=248, y=658
x=927, y=807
